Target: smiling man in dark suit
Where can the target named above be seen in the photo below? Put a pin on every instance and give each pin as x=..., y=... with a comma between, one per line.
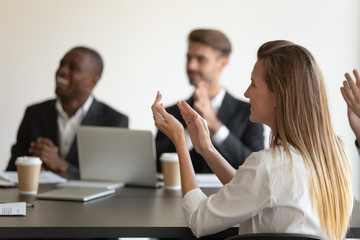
x=232, y=133
x=48, y=129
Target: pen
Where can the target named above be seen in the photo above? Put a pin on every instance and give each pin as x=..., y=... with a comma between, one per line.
x=30, y=205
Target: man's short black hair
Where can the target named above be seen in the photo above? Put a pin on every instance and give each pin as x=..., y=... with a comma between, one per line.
x=95, y=57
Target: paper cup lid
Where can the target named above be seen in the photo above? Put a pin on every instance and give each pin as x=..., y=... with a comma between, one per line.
x=28, y=161
x=169, y=157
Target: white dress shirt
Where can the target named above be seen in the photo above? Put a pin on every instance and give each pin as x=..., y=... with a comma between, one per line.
x=68, y=125
x=223, y=132
x=262, y=197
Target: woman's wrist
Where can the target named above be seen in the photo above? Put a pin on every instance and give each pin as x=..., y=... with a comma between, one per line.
x=179, y=137
x=206, y=152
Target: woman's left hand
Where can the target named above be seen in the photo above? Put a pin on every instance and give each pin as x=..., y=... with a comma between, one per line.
x=166, y=122
x=197, y=128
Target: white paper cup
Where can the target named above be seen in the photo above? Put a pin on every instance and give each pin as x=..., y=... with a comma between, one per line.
x=28, y=169
x=171, y=171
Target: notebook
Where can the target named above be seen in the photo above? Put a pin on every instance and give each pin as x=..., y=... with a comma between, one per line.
x=81, y=194
x=117, y=155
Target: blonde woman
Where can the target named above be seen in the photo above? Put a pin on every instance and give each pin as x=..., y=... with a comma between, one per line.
x=300, y=184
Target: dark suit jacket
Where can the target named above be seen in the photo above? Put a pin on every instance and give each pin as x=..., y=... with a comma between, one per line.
x=245, y=137
x=40, y=120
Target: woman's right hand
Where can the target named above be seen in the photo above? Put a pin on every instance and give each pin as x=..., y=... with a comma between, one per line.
x=166, y=122
x=351, y=92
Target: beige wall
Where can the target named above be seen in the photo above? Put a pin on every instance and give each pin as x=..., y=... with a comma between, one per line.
x=143, y=43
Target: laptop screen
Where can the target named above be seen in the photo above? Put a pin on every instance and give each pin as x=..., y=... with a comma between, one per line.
x=117, y=154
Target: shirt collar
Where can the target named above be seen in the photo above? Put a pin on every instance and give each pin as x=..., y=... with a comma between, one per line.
x=217, y=100
x=84, y=108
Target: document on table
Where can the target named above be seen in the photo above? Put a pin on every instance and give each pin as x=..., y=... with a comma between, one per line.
x=206, y=180
x=45, y=177
x=13, y=209
x=6, y=184
x=209, y=180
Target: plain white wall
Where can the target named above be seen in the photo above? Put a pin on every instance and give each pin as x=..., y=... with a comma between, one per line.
x=143, y=43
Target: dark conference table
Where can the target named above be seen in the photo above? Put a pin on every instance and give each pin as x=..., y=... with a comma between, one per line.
x=130, y=212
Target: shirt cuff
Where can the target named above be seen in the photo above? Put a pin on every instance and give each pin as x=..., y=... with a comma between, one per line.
x=220, y=136
x=188, y=140
x=192, y=201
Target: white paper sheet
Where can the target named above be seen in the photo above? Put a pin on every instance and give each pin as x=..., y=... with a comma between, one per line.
x=208, y=180
x=13, y=209
x=46, y=177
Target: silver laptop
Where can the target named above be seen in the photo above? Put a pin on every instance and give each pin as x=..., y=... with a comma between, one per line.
x=117, y=155
x=75, y=193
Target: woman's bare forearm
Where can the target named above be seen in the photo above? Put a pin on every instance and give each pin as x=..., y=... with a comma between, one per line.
x=187, y=173
x=217, y=163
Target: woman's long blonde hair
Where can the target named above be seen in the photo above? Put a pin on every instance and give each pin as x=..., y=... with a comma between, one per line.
x=303, y=121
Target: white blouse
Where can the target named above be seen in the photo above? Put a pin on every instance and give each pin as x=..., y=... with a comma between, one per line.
x=262, y=197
